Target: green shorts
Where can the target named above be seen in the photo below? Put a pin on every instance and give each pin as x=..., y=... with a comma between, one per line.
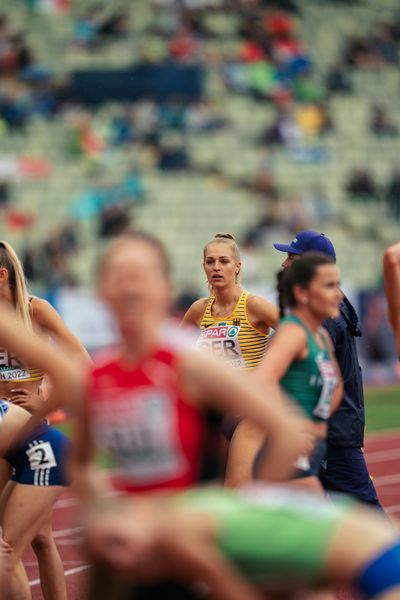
x=271, y=534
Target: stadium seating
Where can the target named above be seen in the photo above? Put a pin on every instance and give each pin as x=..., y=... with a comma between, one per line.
x=187, y=207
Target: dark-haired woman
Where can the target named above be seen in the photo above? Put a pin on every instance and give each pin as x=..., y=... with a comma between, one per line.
x=300, y=357
x=22, y=384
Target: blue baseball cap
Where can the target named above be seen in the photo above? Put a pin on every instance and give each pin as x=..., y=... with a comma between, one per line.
x=306, y=241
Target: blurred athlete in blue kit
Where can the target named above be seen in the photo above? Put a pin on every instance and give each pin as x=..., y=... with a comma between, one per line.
x=344, y=468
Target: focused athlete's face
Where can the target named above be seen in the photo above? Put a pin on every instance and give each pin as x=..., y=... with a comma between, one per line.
x=134, y=285
x=220, y=265
x=323, y=295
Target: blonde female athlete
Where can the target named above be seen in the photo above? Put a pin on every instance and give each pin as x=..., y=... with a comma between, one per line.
x=300, y=359
x=21, y=385
x=37, y=458
x=234, y=324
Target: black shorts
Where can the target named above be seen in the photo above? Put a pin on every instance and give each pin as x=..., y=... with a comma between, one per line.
x=344, y=470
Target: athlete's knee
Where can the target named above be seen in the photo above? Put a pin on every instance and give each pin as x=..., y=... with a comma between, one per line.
x=43, y=542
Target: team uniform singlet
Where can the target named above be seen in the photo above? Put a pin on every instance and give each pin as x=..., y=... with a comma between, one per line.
x=233, y=338
x=13, y=370
x=311, y=381
x=140, y=417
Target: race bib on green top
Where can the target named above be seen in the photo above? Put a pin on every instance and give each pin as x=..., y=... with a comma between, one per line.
x=222, y=341
x=329, y=382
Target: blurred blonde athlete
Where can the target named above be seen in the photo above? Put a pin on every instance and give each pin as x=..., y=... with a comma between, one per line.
x=21, y=384
x=37, y=458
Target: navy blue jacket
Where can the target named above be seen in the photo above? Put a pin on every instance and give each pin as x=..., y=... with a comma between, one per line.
x=346, y=426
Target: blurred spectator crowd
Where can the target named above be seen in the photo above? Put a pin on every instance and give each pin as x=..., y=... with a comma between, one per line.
x=262, y=56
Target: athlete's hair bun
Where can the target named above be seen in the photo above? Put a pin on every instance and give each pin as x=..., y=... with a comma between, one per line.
x=226, y=236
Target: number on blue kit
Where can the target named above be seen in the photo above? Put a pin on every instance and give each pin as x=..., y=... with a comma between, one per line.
x=41, y=456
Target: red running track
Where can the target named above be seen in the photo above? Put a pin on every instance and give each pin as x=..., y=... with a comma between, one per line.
x=383, y=457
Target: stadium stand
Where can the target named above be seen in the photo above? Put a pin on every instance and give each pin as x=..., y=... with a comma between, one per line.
x=185, y=171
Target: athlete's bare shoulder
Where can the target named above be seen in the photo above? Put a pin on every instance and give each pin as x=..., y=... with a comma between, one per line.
x=195, y=313
x=260, y=310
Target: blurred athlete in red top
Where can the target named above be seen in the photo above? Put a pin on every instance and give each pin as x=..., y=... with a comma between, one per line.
x=147, y=405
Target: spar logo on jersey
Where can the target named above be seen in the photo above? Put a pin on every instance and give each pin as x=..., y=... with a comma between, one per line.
x=223, y=342
x=220, y=332
x=214, y=333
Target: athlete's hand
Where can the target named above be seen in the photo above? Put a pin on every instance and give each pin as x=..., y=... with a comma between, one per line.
x=307, y=441
x=5, y=548
x=26, y=399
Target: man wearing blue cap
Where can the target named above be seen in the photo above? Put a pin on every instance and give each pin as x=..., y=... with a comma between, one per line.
x=344, y=469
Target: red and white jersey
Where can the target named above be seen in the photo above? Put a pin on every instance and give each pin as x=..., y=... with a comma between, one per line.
x=141, y=418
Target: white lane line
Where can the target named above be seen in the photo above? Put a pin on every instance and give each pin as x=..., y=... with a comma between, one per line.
x=393, y=509
x=387, y=479
x=64, y=532
x=66, y=573
x=65, y=562
x=66, y=503
x=382, y=455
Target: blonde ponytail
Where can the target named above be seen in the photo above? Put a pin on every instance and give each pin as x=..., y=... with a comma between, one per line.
x=16, y=279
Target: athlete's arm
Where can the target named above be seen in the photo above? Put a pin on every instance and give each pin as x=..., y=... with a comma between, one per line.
x=194, y=314
x=200, y=560
x=248, y=437
x=89, y=482
x=338, y=393
x=51, y=322
x=287, y=345
x=243, y=448
x=391, y=278
x=261, y=313
x=64, y=373
x=213, y=385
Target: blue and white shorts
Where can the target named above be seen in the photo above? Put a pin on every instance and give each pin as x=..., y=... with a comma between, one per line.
x=41, y=459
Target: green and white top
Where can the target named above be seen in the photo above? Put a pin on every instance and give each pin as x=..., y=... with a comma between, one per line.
x=311, y=381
